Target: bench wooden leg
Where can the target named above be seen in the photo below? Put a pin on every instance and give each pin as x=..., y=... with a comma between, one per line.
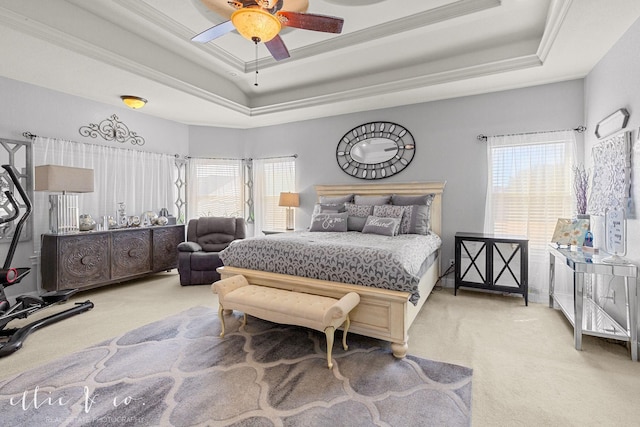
x=221, y=317
x=329, y=331
x=244, y=319
x=347, y=323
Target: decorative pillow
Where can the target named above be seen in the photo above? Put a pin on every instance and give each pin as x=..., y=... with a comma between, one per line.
x=359, y=210
x=328, y=208
x=382, y=226
x=412, y=200
x=329, y=222
x=415, y=220
x=389, y=211
x=372, y=200
x=356, y=223
x=339, y=199
x=357, y=216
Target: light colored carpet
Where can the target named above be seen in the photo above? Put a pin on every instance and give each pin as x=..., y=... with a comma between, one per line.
x=178, y=372
x=525, y=369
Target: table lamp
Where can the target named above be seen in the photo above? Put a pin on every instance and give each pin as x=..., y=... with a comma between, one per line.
x=63, y=208
x=290, y=200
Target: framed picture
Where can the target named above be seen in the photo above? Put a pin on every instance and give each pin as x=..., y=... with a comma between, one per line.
x=616, y=231
x=613, y=123
x=611, y=173
x=570, y=231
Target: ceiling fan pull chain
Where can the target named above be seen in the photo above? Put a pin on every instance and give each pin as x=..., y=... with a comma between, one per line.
x=256, y=40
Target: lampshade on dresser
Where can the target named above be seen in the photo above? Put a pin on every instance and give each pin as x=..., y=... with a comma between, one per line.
x=63, y=209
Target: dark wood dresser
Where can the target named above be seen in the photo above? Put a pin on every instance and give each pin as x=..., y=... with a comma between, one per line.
x=90, y=259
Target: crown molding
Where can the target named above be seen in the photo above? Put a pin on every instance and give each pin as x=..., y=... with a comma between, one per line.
x=441, y=14
x=155, y=17
x=512, y=64
x=555, y=18
x=44, y=32
x=400, y=25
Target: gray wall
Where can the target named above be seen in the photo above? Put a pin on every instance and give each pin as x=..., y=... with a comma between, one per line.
x=446, y=145
x=445, y=134
x=48, y=113
x=611, y=85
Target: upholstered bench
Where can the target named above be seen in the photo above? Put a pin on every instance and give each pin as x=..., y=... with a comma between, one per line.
x=317, y=312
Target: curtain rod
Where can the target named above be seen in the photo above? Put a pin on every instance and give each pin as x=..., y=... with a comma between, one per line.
x=579, y=129
x=30, y=135
x=295, y=156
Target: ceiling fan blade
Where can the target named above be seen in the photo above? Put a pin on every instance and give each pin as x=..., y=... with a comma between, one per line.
x=277, y=48
x=214, y=32
x=310, y=21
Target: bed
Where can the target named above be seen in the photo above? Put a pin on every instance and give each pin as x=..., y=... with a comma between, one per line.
x=382, y=313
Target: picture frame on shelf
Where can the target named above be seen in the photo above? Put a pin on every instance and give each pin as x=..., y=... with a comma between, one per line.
x=570, y=232
x=616, y=235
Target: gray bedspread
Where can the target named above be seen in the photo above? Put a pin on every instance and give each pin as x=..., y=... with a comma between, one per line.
x=394, y=263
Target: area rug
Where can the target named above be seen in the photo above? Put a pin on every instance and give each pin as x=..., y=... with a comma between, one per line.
x=179, y=372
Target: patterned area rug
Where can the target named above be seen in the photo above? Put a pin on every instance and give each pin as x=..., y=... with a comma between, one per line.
x=178, y=372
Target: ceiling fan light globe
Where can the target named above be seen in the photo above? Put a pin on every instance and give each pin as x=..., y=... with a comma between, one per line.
x=256, y=23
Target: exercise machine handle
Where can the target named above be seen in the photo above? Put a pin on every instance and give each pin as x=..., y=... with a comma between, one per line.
x=20, y=224
x=16, y=208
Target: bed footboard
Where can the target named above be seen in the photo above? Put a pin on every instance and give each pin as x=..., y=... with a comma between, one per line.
x=381, y=313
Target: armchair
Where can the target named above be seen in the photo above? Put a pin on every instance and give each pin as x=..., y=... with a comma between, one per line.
x=198, y=257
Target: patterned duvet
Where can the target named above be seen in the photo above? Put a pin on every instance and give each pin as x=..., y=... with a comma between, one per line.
x=394, y=263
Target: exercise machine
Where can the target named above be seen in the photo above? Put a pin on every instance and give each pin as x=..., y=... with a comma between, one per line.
x=11, y=339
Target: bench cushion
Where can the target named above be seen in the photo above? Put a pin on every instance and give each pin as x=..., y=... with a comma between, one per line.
x=280, y=306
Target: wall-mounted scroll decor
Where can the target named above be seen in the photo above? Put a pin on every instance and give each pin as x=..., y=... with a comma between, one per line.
x=375, y=150
x=611, y=173
x=112, y=129
x=613, y=123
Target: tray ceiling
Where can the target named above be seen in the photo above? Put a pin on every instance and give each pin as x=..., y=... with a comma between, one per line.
x=391, y=52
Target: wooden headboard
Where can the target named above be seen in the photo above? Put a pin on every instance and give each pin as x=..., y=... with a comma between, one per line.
x=405, y=189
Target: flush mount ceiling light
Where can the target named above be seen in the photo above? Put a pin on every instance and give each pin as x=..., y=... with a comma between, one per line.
x=134, y=102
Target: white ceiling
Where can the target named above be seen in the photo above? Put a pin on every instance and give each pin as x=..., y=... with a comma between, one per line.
x=390, y=52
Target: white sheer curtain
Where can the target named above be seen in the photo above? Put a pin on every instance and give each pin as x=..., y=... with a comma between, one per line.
x=529, y=187
x=144, y=181
x=215, y=188
x=270, y=178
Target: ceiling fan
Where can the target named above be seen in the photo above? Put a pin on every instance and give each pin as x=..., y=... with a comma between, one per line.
x=262, y=20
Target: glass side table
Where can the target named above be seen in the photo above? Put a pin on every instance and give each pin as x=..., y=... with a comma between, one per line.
x=586, y=316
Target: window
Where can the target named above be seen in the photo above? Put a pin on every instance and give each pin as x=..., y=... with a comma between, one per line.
x=271, y=177
x=215, y=188
x=529, y=188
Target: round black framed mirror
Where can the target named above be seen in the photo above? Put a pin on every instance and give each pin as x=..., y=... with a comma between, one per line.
x=375, y=150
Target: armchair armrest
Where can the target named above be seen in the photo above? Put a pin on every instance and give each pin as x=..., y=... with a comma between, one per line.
x=189, y=247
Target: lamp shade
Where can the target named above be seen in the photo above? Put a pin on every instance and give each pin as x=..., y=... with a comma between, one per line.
x=291, y=200
x=55, y=178
x=254, y=23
